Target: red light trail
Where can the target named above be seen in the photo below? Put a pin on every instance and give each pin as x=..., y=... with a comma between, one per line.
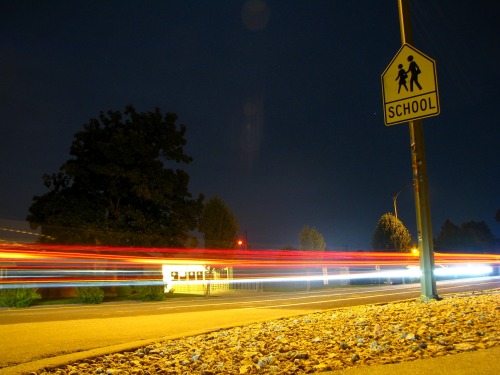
x=42, y=265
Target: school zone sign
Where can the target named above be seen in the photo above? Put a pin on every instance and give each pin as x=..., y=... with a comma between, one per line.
x=409, y=87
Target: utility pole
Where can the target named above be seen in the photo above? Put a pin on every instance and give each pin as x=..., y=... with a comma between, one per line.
x=419, y=167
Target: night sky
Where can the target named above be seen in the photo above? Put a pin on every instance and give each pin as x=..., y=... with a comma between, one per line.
x=282, y=101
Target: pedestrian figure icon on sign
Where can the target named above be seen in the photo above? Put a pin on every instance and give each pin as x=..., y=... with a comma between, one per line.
x=414, y=71
x=401, y=77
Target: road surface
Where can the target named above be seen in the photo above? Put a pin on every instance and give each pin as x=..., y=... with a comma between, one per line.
x=58, y=331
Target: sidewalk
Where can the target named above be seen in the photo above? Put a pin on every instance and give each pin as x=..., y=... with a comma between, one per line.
x=481, y=362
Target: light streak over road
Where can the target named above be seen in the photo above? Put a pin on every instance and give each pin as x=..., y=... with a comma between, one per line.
x=42, y=265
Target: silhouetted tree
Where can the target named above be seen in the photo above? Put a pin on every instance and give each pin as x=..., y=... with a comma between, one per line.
x=473, y=236
x=391, y=235
x=119, y=187
x=218, y=225
x=311, y=239
x=450, y=236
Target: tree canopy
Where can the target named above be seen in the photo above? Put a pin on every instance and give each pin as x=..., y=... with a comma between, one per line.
x=120, y=186
x=472, y=236
x=218, y=225
x=391, y=235
x=311, y=239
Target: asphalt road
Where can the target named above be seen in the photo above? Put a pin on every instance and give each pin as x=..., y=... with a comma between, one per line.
x=48, y=336
x=312, y=300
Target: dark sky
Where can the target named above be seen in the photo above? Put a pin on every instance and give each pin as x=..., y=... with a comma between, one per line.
x=281, y=99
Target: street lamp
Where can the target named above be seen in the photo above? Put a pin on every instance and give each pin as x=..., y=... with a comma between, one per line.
x=395, y=198
x=242, y=244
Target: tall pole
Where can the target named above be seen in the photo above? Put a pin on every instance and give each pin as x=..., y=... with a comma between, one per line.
x=428, y=288
x=395, y=198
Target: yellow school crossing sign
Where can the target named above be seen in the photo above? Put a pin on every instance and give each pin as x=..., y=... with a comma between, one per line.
x=409, y=87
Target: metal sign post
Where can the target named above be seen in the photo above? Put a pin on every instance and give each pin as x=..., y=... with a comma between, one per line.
x=419, y=167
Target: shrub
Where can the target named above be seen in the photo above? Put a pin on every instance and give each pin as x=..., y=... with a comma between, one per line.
x=124, y=291
x=22, y=297
x=90, y=294
x=151, y=292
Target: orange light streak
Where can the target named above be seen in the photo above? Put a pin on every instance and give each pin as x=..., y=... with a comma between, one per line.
x=46, y=264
